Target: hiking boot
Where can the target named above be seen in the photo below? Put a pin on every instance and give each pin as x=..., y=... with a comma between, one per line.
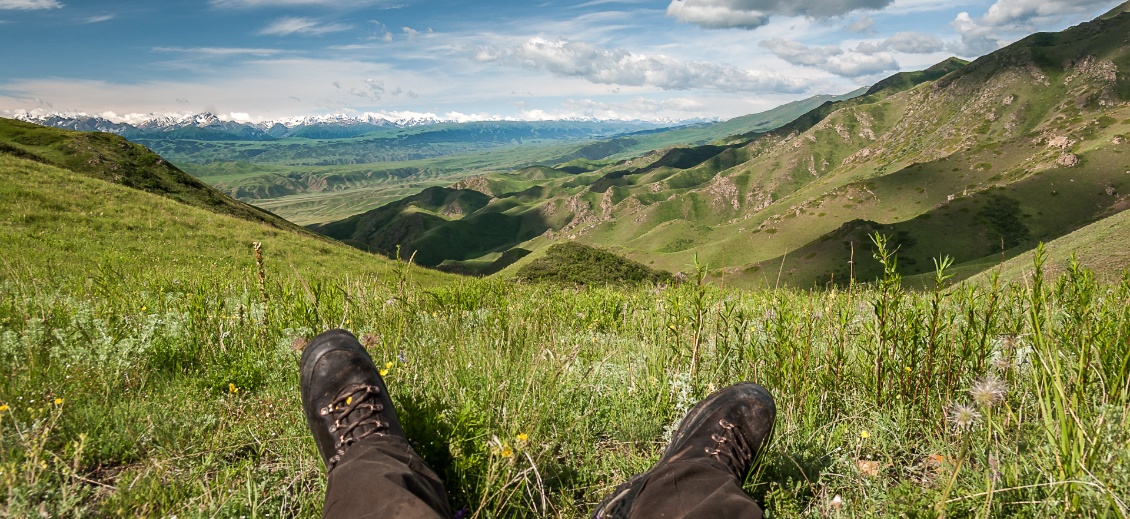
x=725, y=431
x=343, y=395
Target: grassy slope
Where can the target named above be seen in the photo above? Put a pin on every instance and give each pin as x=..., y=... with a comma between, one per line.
x=113, y=159
x=1103, y=246
x=58, y=224
x=144, y=374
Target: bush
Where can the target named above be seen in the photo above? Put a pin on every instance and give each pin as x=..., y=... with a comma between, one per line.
x=572, y=262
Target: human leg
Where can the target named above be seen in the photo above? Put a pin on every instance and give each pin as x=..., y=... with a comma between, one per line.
x=372, y=470
x=701, y=471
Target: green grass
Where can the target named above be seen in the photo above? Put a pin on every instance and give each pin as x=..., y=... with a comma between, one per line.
x=146, y=371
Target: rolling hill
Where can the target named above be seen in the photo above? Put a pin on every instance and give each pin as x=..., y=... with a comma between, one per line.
x=93, y=207
x=977, y=161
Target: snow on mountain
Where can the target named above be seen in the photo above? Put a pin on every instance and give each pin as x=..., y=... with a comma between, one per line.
x=240, y=126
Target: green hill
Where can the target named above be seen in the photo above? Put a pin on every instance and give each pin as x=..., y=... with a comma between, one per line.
x=113, y=159
x=970, y=160
x=92, y=208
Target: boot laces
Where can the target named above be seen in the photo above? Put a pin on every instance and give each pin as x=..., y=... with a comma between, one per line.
x=349, y=427
x=732, y=448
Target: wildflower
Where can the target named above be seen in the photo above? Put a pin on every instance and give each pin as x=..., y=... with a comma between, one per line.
x=143, y=309
x=908, y=370
x=522, y=438
x=58, y=401
x=865, y=434
x=963, y=416
x=232, y=389
x=402, y=357
x=837, y=502
x=384, y=372
x=507, y=452
x=988, y=391
x=389, y=364
x=3, y=407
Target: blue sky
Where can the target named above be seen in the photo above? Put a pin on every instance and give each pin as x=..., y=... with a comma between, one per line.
x=649, y=59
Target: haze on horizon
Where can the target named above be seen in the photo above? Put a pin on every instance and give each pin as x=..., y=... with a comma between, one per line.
x=251, y=60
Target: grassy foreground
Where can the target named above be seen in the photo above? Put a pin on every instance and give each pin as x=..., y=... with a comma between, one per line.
x=155, y=396
x=148, y=367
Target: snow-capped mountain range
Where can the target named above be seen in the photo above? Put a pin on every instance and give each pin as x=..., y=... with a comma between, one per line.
x=209, y=126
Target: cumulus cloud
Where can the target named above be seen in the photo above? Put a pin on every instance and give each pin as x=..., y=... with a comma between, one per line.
x=832, y=59
x=30, y=5
x=302, y=26
x=621, y=67
x=750, y=14
x=906, y=42
x=1013, y=18
x=861, y=24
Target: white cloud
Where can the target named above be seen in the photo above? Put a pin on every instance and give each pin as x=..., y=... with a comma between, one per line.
x=906, y=42
x=1007, y=20
x=832, y=59
x=303, y=26
x=220, y=51
x=410, y=32
x=30, y=5
x=750, y=14
x=621, y=67
x=99, y=19
x=861, y=24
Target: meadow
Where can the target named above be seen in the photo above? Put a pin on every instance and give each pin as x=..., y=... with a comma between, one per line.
x=138, y=390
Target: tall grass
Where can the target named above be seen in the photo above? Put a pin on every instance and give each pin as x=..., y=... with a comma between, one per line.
x=156, y=395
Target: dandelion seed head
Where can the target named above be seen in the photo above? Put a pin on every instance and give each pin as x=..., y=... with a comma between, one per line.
x=963, y=416
x=988, y=391
x=837, y=502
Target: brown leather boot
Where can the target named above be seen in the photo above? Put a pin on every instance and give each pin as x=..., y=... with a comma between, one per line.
x=343, y=395
x=719, y=439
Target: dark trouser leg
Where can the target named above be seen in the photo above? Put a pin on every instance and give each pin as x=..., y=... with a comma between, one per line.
x=381, y=476
x=693, y=489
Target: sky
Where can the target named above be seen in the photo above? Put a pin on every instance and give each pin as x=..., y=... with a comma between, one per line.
x=255, y=60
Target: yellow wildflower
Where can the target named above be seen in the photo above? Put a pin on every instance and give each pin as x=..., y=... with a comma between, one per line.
x=232, y=388
x=3, y=407
x=384, y=372
x=522, y=437
x=865, y=434
x=388, y=365
x=58, y=401
x=507, y=452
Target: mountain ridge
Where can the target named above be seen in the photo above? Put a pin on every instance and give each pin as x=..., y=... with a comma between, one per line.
x=1021, y=145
